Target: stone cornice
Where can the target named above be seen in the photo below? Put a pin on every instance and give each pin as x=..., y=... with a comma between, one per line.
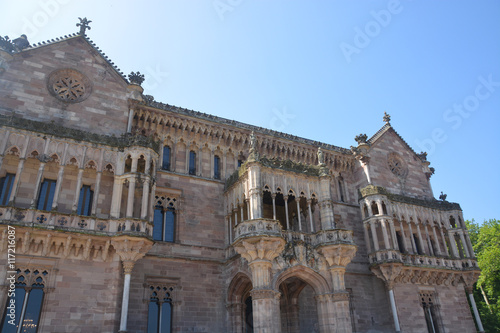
x=433, y=203
x=59, y=131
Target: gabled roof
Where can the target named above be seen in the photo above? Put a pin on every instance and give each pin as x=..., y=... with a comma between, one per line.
x=386, y=128
x=10, y=47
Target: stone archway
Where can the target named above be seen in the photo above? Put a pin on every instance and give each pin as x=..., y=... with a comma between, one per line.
x=299, y=286
x=240, y=319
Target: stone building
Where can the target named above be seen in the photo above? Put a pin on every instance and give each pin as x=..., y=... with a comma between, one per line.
x=121, y=213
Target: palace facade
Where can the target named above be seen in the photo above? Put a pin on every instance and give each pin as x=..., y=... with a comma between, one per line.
x=119, y=213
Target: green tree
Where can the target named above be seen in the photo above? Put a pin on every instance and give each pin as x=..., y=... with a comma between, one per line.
x=485, y=240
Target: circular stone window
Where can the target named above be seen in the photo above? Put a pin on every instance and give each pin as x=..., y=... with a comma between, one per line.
x=69, y=85
x=397, y=165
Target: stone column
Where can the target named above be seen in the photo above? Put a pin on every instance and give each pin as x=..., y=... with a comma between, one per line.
x=384, y=234
x=333, y=309
x=299, y=219
x=373, y=227
x=15, y=185
x=116, y=198
x=273, y=196
x=326, y=204
x=310, y=215
x=77, y=191
x=412, y=240
x=453, y=245
x=444, y=242
x=130, y=197
x=96, y=193
x=200, y=162
x=130, y=249
x=286, y=212
x=437, y=241
x=464, y=245
x=474, y=309
x=145, y=198
x=254, y=190
x=38, y=181
x=388, y=273
x=393, y=234
x=367, y=238
x=260, y=251
x=401, y=226
x=127, y=270
x=59, y=181
x=420, y=239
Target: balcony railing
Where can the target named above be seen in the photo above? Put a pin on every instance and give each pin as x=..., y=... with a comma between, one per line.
x=384, y=256
x=77, y=223
x=269, y=227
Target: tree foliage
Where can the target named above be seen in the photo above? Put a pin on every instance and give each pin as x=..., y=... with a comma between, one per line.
x=485, y=240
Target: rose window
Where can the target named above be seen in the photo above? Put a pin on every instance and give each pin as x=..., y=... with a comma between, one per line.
x=69, y=85
x=397, y=165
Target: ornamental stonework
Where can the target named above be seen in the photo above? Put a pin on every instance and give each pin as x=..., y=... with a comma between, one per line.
x=69, y=85
x=397, y=166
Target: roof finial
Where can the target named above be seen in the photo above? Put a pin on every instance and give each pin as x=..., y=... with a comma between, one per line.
x=84, y=25
x=387, y=117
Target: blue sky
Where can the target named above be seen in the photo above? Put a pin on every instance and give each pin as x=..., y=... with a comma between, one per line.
x=324, y=70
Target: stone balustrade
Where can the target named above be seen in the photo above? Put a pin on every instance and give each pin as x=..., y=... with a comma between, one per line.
x=71, y=222
x=385, y=256
x=257, y=227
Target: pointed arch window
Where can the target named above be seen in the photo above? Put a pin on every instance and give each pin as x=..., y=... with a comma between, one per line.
x=192, y=163
x=6, y=188
x=166, y=158
x=160, y=309
x=216, y=167
x=27, y=300
x=85, y=201
x=164, y=224
x=46, y=195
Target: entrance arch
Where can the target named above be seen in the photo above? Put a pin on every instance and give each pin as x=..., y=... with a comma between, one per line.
x=298, y=287
x=239, y=304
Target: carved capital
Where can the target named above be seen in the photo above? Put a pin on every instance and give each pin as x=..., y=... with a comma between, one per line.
x=338, y=254
x=131, y=248
x=387, y=273
x=128, y=266
x=265, y=294
x=260, y=248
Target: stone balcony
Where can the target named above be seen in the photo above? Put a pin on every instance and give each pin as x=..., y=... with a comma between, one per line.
x=75, y=223
x=414, y=260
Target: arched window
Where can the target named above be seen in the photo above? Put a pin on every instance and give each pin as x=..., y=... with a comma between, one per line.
x=46, y=195
x=141, y=164
x=164, y=224
x=160, y=310
x=452, y=222
x=216, y=167
x=341, y=191
x=192, y=163
x=384, y=208
x=85, y=201
x=128, y=164
x=27, y=299
x=374, y=208
x=365, y=209
x=5, y=188
x=166, y=158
